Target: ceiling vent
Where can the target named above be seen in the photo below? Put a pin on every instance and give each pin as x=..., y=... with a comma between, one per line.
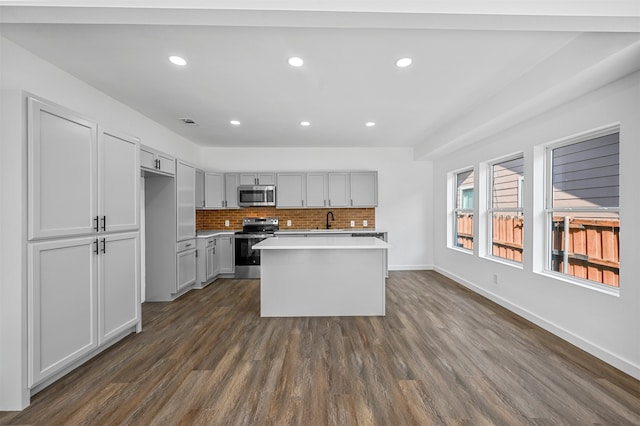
x=189, y=121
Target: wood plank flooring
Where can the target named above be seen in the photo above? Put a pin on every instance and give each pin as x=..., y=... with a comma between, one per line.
x=442, y=355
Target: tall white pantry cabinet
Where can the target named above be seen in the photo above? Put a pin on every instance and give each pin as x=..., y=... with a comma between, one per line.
x=84, y=240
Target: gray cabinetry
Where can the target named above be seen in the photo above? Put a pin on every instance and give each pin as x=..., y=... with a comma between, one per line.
x=316, y=185
x=364, y=189
x=231, y=190
x=157, y=162
x=257, y=179
x=200, y=201
x=185, y=264
x=226, y=249
x=83, y=268
x=339, y=189
x=214, y=190
x=185, y=198
x=290, y=189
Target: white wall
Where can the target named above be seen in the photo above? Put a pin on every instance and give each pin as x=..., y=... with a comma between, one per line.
x=404, y=188
x=603, y=324
x=21, y=71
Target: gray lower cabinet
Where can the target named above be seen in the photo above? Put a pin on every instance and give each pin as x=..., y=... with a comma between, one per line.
x=185, y=264
x=226, y=247
x=83, y=293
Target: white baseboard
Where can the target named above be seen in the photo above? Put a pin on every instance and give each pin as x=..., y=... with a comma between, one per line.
x=410, y=267
x=595, y=350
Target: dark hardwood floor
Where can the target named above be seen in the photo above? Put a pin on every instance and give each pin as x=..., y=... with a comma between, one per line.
x=442, y=355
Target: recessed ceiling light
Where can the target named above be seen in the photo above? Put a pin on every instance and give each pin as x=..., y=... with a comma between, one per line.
x=234, y=122
x=370, y=124
x=305, y=123
x=404, y=62
x=177, y=60
x=296, y=62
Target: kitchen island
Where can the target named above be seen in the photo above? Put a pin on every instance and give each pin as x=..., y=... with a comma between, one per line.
x=322, y=276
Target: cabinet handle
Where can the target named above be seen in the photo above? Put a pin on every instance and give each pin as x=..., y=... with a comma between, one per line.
x=95, y=226
x=104, y=223
x=96, y=249
x=329, y=203
x=158, y=163
x=188, y=245
x=302, y=203
x=104, y=245
x=351, y=203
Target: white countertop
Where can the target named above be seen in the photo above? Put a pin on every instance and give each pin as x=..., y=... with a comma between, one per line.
x=322, y=243
x=328, y=231
x=213, y=233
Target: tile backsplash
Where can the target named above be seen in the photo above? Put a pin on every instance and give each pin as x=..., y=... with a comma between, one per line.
x=300, y=218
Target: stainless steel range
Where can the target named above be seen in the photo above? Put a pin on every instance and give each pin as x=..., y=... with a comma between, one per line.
x=254, y=230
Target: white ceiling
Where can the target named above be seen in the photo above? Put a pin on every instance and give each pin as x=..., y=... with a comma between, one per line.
x=237, y=65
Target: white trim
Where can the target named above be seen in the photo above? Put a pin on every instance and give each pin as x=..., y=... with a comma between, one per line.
x=411, y=267
x=595, y=350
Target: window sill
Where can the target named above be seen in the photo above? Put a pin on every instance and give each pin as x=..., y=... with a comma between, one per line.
x=506, y=262
x=611, y=291
x=461, y=250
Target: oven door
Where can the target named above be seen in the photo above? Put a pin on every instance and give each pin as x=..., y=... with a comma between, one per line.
x=248, y=259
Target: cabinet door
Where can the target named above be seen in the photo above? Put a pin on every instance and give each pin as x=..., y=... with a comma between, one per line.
x=212, y=262
x=248, y=179
x=62, y=299
x=62, y=194
x=339, y=189
x=227, y=254
x=166, y=164
x=215, y=259
x=185, y=268
x=147, y=159
x=231, y=190
x=290, y=190
x=118, y=182
x=364, y=189
x=186, y=201
x=266, y=178
x=199, y=189
x=214, y=190
x=118, y=284
x=316, y=190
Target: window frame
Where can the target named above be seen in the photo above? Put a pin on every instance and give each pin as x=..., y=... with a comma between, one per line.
x=456, y=210
x=491, y=210
x=549, y=210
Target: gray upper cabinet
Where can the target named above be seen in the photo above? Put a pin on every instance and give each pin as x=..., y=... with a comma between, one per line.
x=62, y=172
x=185, y=199
x=157, y=162
x=290, y=189
x=364, y=189
x=200, y=202
x=214, y=190
x=231, y=190
x=339, y=189
x=82, y=179
x=316, y=185
x=118, y=182
x=257, y=178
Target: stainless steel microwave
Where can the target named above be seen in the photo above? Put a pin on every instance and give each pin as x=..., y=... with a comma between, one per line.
x=256, y=195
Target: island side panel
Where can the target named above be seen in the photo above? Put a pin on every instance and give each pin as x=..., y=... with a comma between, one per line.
x=321, y=282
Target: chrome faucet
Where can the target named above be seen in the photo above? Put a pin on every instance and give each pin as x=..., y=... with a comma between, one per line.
x=332, y=218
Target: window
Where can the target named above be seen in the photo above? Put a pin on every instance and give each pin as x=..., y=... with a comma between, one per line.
x=463, y=210
x=583, y=208
x=505, y=216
